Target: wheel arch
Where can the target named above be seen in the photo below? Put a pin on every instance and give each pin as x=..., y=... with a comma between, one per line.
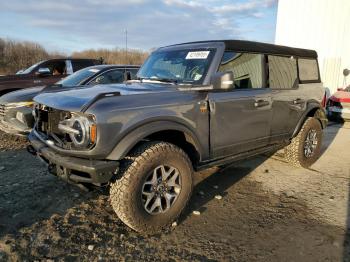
x=314, y=109
x=166, y=131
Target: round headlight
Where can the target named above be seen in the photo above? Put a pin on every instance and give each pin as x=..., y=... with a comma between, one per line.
x=81, y=137
x=78, y=138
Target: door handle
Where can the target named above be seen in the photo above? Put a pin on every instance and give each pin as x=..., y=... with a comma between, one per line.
x=261, y=103
x=298, y=101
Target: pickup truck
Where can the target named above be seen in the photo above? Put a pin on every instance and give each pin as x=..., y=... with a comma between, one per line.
x=193, y=106
x=44, y=73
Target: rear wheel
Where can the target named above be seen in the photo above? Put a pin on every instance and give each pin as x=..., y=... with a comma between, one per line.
x=305, y=148
x=154, y=186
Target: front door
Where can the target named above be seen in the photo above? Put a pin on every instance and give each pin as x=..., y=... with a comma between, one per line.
x=240, y=117
x=239, y=120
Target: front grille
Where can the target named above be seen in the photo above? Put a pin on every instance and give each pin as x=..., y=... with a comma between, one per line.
x=46, y=123
x=2, y=111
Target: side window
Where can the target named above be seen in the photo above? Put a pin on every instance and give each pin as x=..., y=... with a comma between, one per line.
x=110, y=77
x=247, y=69
x=282, y=72
x=56, y=67
x=308, y=69
x=133, y=72
x=80, y=64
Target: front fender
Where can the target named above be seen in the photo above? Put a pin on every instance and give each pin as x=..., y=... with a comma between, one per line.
x=139, y=133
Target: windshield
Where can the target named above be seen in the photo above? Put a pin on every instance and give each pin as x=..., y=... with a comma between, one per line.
x=180, y=66
x=78, y=77
x=28, y=70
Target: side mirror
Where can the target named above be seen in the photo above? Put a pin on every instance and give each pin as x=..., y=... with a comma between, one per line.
x=127, y=76
x=43, y=71
x=223, y=80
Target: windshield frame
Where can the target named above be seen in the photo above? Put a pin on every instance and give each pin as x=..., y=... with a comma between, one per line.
x=180, y=81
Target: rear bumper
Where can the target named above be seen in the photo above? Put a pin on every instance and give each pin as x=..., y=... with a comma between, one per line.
x=73, y=169
x=340, y=113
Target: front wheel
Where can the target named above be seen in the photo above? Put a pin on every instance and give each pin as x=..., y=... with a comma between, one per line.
x=305, y=148
x=154, y=186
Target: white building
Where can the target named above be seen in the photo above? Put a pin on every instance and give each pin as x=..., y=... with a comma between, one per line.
x=323, y=25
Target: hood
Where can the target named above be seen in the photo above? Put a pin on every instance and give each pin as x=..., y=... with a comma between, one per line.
x=80, y=98
x=23, y=95
x=341, y=96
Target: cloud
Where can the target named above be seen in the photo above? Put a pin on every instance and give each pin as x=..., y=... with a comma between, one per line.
x=150, y=23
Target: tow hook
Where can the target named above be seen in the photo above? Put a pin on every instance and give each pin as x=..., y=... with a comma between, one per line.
x=31, y=150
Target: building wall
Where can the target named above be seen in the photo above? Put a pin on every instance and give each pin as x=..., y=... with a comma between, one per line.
x=323, y=25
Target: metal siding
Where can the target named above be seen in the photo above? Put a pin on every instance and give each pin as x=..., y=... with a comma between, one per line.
x=322, y=25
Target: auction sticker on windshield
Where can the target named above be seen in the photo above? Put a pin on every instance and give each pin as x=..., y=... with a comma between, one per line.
x=198, y=55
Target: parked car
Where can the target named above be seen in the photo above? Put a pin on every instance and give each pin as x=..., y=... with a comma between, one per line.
x=16, y=107
x=193, y=106
x=338, y=105
x=43, y=73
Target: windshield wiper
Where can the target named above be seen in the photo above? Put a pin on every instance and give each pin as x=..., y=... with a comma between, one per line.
x=164, y=80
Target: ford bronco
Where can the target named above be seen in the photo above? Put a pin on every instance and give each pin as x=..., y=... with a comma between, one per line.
x=193, y=106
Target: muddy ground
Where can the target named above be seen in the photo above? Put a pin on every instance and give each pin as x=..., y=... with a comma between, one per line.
x=269, y=211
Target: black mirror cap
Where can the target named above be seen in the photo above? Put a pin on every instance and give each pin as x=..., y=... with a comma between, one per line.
x=223, y=80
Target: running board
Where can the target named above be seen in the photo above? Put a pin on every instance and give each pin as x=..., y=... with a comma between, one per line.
x=241, y=156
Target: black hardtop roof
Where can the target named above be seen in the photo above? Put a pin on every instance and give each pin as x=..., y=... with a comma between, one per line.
x=259, y=47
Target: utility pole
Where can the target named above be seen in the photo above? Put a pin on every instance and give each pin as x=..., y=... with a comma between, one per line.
x=126, y=46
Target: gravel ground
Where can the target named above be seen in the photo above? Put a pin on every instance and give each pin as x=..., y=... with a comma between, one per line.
x=256, y=210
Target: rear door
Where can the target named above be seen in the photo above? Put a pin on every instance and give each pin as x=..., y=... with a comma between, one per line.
x=288, y=100
x=240, y=117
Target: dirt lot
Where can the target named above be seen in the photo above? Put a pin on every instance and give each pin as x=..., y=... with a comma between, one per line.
x=269, y=211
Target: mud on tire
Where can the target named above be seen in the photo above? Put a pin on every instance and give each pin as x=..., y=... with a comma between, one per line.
x=294, y=152
x=127, y=193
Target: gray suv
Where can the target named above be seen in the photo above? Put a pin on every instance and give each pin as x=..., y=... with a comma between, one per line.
x=193, y=106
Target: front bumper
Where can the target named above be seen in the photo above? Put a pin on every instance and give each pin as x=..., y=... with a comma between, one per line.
x=13, y=130
x=73, y=169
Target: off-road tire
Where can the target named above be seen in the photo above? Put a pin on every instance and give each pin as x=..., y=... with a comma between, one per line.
x=294, y=152
x=125, y=192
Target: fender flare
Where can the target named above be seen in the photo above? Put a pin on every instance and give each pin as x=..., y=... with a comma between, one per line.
x=127, y=142
x=319, y=113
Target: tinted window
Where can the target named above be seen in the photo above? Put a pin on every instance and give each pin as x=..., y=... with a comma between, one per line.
x=247, y=69
x=282, y=72
x=308, y=69
x=56, y=67
x=80, y=64
x=110, y=77
x=133, y=72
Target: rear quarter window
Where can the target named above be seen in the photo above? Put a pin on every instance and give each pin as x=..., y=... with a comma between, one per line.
x=282, y=72
x=308, y=70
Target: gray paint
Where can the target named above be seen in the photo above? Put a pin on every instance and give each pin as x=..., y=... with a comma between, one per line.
x=235, y=121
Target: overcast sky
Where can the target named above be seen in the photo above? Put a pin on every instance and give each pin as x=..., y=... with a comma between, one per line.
x=74, y=25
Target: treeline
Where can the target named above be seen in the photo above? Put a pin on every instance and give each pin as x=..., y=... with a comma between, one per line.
x=17, y=55
x=114, y=56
